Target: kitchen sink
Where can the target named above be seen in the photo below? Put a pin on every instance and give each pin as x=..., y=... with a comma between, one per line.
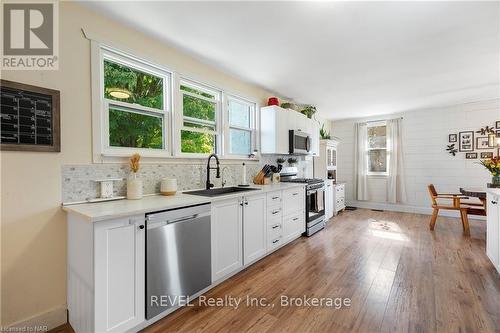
x=221, y=191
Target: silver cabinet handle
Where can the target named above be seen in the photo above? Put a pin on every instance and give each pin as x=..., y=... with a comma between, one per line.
x=295, y=193
x=274, y=198
x=275, y=212
x=276, y=226
x=295, y=219
x=494, y=202
x=276, y=241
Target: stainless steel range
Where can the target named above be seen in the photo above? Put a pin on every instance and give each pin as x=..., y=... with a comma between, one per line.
x=315, y=199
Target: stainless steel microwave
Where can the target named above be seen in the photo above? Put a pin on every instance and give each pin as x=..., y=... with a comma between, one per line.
x=299, y=142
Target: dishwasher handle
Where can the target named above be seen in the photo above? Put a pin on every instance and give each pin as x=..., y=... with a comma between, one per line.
x=155, y=221
x=181, y=219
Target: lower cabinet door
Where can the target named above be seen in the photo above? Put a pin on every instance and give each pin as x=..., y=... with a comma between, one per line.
x=226, y=223
x=119, y=263
x=254, y=228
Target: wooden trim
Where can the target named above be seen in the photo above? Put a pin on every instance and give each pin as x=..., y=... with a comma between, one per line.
x=56, y=119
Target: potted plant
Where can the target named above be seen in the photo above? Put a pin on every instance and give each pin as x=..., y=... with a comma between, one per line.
x=308, y=110
x=289, y=105
x=493, y=166
x=134, y=184
x=323, y=133
x=280, y=161
x=292, y=161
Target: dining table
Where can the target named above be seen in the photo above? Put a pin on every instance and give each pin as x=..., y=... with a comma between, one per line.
x=476, y=192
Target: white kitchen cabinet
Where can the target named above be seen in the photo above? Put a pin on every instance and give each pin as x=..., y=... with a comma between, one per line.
x=275, y=122
x=119, y=274
x=315, y=138
x=294, y=225
x=106, y=274
x=325, y=164
x=293, y=200
x=227, y=237
x=274, y=126
x=493, y=230
x=329, y=206
x=338, y=198
x=254, y=228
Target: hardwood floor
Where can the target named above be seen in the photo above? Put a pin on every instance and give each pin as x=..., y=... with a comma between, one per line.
x=399, y=276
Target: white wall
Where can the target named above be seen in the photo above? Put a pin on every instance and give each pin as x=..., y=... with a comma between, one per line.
x=425, y=136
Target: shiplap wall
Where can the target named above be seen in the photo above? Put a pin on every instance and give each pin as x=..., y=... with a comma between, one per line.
x=425, y=136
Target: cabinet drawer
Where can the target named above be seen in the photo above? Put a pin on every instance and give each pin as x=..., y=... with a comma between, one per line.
x=274, y=199
x=274, y=213
x=293, y=225
x=274, y=230
x=274, y=243
x=340, y=189
x=293, y=200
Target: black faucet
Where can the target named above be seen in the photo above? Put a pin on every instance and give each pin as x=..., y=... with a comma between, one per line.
x=208, y=184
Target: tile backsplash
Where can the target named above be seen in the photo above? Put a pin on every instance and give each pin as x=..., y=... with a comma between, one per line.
x=78, y=181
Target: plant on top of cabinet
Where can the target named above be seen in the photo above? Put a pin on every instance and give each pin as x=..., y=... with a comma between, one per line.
x=280, y=161
x=134, y=184
x=308, y=110
x=288, y=105
x=323, y=133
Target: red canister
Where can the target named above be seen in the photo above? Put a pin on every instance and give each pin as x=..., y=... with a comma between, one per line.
x=273, y=101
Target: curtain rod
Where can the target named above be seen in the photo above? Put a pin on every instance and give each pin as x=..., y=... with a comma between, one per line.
x=375, y=121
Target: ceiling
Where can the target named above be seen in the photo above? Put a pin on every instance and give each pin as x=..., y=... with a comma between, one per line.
x=351, y=59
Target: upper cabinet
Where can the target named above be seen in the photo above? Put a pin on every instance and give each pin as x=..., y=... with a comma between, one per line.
x=325, y=163
x=275, y=122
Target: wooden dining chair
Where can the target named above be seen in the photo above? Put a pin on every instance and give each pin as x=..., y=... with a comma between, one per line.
x=455, y=202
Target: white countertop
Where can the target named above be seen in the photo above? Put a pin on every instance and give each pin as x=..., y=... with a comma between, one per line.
x=494, y=191
x=100, y=211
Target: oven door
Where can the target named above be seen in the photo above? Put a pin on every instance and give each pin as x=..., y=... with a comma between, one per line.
x=299, y=142
x=315, y=206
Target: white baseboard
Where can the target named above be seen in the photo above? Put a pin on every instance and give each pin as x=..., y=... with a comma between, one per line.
x=407, y=209
x=50, y=319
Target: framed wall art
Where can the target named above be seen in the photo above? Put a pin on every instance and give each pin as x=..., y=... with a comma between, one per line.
x=452, y=138
x=471, y=156
x=466, y=141
x=487, y=154
x=482, y=142
x=497, y=124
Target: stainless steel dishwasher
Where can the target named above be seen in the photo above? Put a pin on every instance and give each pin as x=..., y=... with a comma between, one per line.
x=178, y=256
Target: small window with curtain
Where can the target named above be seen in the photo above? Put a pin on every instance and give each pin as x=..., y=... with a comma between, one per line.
x=241, y=126
x=200, y=114
x=377, y=148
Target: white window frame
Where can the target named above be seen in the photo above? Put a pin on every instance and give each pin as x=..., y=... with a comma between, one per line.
x=228, y=126
x=376, y=173
x=101, y=105
x=179, y=115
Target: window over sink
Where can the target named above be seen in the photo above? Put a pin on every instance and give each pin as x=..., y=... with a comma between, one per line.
x=141, y=107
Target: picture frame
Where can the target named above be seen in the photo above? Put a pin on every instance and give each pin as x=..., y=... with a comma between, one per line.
x=471, y=156
x=497, y=124
x=482, y=142
x=487, y=154
x=452, y=138
x=466, y=141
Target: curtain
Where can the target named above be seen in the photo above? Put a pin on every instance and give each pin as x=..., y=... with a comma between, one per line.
x=360, y=162
x=396, y=191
